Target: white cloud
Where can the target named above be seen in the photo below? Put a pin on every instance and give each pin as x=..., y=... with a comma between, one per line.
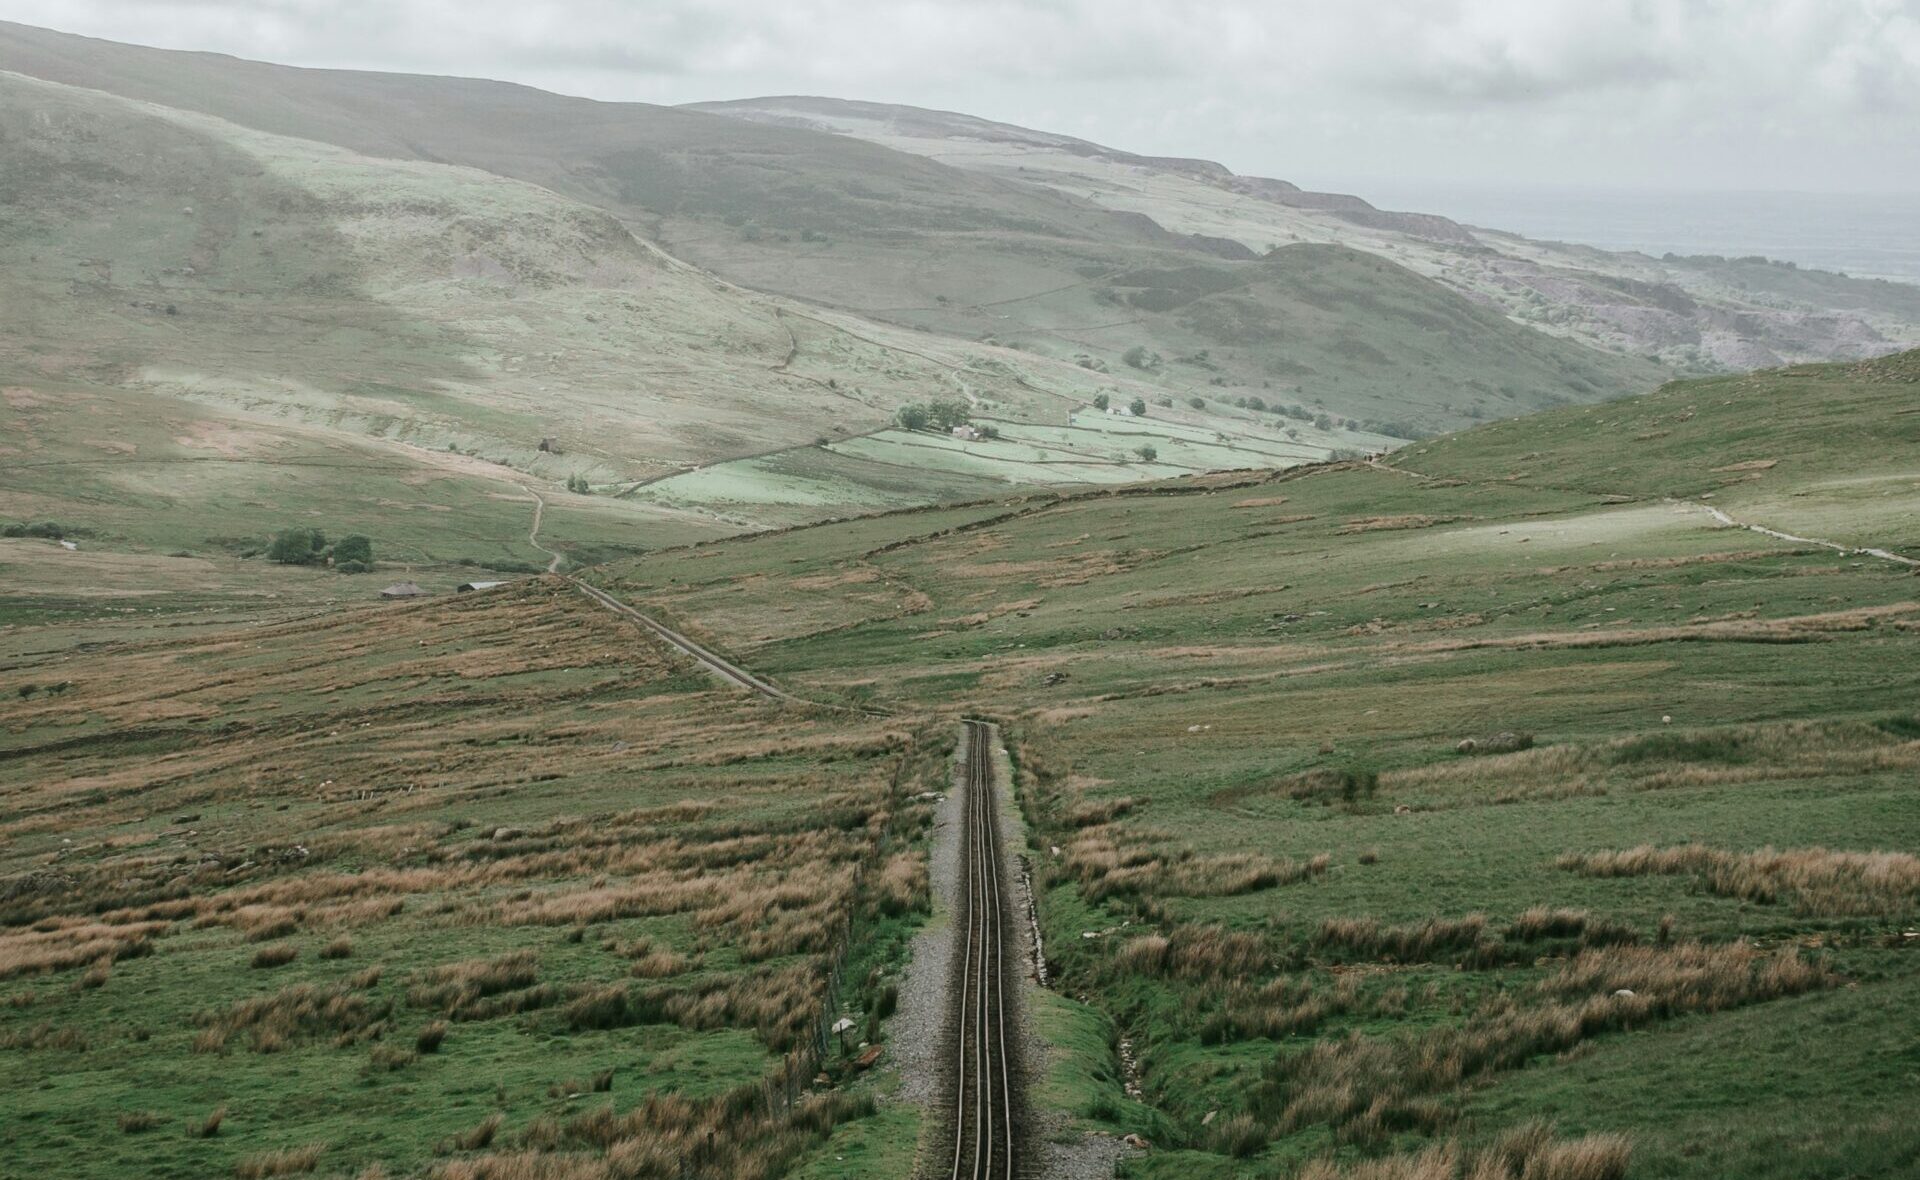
x=1755, y=93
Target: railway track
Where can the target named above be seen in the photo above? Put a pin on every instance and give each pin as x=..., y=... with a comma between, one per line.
x=725, y=669
x=986, y=1131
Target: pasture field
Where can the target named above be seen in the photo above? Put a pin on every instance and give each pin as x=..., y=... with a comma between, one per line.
x=1501, y=808
x=462, y=887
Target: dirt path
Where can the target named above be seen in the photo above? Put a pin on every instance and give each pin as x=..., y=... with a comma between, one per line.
x=1850, y=550
x=533, y=534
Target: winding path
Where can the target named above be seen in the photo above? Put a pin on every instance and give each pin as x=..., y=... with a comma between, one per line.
x=533, y=534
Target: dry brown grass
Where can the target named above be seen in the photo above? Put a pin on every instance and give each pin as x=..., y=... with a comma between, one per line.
x=1418, y=942
x=1821, y=882
x=456, y=988
x=297, y=1014
x=1108, y=861
x=1364, y=1087
x=67, y=943
x=1528, y=1152
x=44, y=1035
x=474, y=1138
x=133, y=1122
x=291, y=1161
x=278, y=955
x=1196, y=953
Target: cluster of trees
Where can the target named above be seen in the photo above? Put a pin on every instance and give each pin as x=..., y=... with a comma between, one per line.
x=302, y=546
x=942, y=414
x=577, y=483
x=1137, y=407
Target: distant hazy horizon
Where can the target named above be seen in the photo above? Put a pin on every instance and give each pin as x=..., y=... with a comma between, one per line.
x=1866, y=235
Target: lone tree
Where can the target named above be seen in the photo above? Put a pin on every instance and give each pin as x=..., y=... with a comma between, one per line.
x=578, y=484
x=297, y=546
x=1099, y=401
x=353, y=555
x=911, y=417
x=1146, y=452
x=1139, y=407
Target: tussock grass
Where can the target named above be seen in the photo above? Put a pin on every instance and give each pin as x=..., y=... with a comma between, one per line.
x=1821, y=882
x=44, y=1035
x=291, y=1161
x=1365, y=1088
x=1527, y=1152
x=1111, y=862
x=1195, y=953
x=474, y=1138
x=1419, y=942
x=297, y=1014
x=277, y=955
x=133, y=1122
x=428, y=1039
x=457, y=988
x=67, y=943
x=208, y=1127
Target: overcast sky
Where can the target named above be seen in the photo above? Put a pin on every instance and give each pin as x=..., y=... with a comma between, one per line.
x=1671, y=94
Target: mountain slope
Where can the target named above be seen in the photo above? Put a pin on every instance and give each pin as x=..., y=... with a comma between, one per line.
x=887, y=234
x=1693, y=313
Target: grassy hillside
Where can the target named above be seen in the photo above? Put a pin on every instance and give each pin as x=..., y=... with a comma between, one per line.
x=1359, y=793
x=1695, y=314
x=448, y=885
x=886, y=234
x=211, y=333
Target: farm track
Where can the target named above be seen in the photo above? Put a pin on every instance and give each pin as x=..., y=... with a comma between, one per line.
x=987, y=1129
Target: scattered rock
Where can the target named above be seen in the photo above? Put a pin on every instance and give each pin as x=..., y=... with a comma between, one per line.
x=1136, y=1142
x=1625, y=993
x=1207, y=1119
x=507, y=833
x=867, y=1059
x=1402, y=809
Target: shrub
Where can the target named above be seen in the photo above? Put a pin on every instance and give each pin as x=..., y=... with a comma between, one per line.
x=1198, y=403
x=298, y=546
x=339, y=948
x=1100, y=401
x=208, y=1127
x=1147, y=452
x=354, y=550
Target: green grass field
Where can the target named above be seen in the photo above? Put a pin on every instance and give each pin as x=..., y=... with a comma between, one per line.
x=1239, y=705
x=425, y=882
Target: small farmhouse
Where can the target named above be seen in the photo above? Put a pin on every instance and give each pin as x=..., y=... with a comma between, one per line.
x=469, y=587
x=403, y=590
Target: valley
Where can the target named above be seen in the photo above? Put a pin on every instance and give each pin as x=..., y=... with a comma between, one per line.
x=545, y=639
